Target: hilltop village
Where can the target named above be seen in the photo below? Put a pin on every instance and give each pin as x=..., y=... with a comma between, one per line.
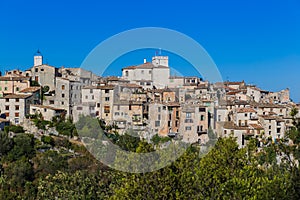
x=147, y=99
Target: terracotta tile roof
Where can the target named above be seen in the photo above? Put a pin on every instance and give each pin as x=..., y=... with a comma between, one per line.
x=5, y=78
x=175, y=104
x=48, y=107
x=267, y=117
x=17, y=96
x=102, y=87
x=231, y=125
x=147, y=65
x=30, y=89
x=233, y=92
x=113, y=78
x=131, y=85
x=129, y=67
x=256, y=126
x=202, y=86
x=245, y=110
x=265, y=105
x=233, y=83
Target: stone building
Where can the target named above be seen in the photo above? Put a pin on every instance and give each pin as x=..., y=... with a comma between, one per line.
x=47, y=112
x=17, y=106
x=149, y=74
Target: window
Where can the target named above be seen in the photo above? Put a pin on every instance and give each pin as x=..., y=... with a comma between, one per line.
x=106, y=98
x=158, y=117
x=93, y=97
x=51, y=101
x=188, y=128
x=130, y=107
x=157, y=123
x=62, y=103
x=17, y=107
x=17, y=99
x=202, y=117
x=63, y=95
x=278, y=130
x=126, y=73
x=106, y=109
x=142, y=71
x=188, y=115
x=42, y=70
x=98, y=105
x=6, y=100
x=150, y=72
x=188, y=121
x=202, y=109
x=79, y=108
x=86, y=97
x=45, y=109
x=158, y=109
x=118, y=107
x=36, y=69
x=16, y=114
x=106, y=91
x=117, y=113
x=5, y=88
x=63, y=87
x=6, y=107
x=91, y=91
x=269, y=127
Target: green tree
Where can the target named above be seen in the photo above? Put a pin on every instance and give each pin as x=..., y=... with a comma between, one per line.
x=19, y=172
x=23, y=146
x=49, y=163
x=5, y=143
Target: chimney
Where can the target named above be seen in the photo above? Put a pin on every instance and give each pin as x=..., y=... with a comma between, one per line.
x=145, y=60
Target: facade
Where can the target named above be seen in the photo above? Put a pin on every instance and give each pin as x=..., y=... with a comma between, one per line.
x=11, y=84
x=149, y=74
x=47, y=112
x=17, y=106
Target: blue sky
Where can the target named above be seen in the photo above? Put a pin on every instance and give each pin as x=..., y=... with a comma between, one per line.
x=255, y=41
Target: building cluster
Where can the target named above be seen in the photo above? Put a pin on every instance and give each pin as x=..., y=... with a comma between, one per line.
x=147, y=99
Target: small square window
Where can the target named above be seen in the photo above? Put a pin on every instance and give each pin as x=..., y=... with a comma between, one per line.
x=157, y=123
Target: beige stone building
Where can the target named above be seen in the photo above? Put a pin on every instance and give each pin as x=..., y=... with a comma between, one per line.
x=17, y=106
x=47, y=112
x=13, y=84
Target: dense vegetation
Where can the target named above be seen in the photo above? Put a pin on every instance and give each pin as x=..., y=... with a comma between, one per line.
x=59, y=168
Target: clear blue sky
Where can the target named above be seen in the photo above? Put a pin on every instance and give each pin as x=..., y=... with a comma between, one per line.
x=257, y=40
